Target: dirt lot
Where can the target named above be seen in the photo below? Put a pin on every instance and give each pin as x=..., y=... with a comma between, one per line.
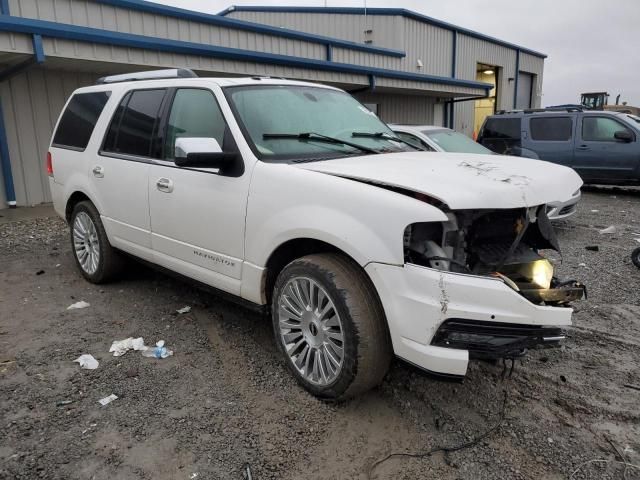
x=225, y=399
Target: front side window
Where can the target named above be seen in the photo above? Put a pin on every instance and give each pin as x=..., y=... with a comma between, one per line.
x=133, y=127
x=601, y=129
x=194, y=113
x=551, y=129
x=269, y=113
x=79, y=119
x=451, y=141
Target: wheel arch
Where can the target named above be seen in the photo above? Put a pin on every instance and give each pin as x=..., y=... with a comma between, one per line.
x=291, y=250
x=75, y=198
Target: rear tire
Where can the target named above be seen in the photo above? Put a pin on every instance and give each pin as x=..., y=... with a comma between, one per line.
x=330, y=326
x=635, y=257
x=96, y=259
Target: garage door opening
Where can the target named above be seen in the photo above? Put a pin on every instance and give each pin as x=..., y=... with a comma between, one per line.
x=486, y=106
x=525, y=90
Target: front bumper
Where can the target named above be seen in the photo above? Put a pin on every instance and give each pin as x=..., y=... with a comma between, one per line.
x=560, y=210
x=419, y=300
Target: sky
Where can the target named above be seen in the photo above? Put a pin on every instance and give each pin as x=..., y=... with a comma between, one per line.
x=592, y=45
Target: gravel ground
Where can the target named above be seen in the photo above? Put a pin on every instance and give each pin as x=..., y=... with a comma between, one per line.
x=225, y=399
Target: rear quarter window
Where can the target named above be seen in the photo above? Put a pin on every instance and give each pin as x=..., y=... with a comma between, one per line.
x=79, y=119
x=501, y=135
x=551, y=129
x=506, y=128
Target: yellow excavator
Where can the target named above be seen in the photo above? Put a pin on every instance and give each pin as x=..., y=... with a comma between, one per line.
x=600, y=101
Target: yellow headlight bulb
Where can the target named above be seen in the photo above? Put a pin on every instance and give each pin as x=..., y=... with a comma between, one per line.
x=542, y=273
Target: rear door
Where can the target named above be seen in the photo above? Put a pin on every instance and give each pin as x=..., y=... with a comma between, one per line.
x=197, y=214
x=120, y=171
x=602, y=157
x=550, y=137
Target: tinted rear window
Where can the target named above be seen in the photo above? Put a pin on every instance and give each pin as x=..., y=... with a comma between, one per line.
x=507, y=128
x=78, y=120
x=551, y=129
x=134, y=124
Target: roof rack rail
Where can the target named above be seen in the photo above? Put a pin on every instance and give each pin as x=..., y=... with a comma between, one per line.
x=148, y=75
x=527, y=111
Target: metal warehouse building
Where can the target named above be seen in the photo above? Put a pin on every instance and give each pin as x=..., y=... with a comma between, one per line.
x=407, y=67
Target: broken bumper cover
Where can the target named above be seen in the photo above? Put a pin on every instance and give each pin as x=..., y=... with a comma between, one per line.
x=419, y=300
x=490, y=340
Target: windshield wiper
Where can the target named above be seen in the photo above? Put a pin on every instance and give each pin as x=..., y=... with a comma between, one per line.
x=385, y=136
x=317, y=137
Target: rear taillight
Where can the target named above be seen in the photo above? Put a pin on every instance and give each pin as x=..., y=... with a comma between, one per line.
x=49, y=165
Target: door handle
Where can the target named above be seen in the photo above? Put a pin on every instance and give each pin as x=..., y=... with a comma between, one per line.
x=164, y=185
x=98, y=171
x=583, y=147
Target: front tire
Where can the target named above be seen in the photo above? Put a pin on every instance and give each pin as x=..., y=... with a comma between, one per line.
x=97, y=260
x=635, y=257
x=330, y=327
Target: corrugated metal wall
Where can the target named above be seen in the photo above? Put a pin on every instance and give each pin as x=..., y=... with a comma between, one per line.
x=403, y=109
x=431, y=44
x=32, y=102
x=97, y=15
x=387, y=30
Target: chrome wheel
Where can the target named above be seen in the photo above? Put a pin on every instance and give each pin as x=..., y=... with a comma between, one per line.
x=85, y=243
x=311, y=330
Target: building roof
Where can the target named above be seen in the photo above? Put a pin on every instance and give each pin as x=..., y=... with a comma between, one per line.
x=383, y=11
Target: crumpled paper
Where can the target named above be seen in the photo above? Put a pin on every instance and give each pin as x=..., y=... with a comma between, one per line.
x=78, y=305
x=87, y=361
x=120, y=347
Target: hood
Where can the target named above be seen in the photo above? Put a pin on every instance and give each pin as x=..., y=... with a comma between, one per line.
x=460, y=180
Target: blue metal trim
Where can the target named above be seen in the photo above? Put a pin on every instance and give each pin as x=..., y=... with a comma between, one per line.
x=4, y=7
x=372, y=83
x=5, y=162
x=384, y=11
x=38, y=48
x=329, y=53
x=515, y=80
x=108, y=37
x=159, y=9
x=454, y=53
x=452, y=117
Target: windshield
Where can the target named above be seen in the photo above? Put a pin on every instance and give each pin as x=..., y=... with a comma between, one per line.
x=287, y=122
x=635, y=118
x=451, y=141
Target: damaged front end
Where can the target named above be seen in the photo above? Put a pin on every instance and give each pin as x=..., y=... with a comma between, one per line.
x=502, y=244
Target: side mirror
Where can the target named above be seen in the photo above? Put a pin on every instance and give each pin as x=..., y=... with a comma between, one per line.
x=623, y=136
x=202, y=153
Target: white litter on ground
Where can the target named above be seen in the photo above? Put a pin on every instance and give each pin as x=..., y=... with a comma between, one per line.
x=78, y=305
x=595, y=211
x=107, y=400
x=186, y=309
x=120, y=347
x=611, y=229
x=582, y=264
x=87, y=361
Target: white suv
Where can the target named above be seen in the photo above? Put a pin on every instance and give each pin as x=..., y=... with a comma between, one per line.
x=295, y=197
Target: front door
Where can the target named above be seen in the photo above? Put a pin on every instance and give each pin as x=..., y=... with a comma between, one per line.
x=197, y=214
x=599, y=156
x=120, y=171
